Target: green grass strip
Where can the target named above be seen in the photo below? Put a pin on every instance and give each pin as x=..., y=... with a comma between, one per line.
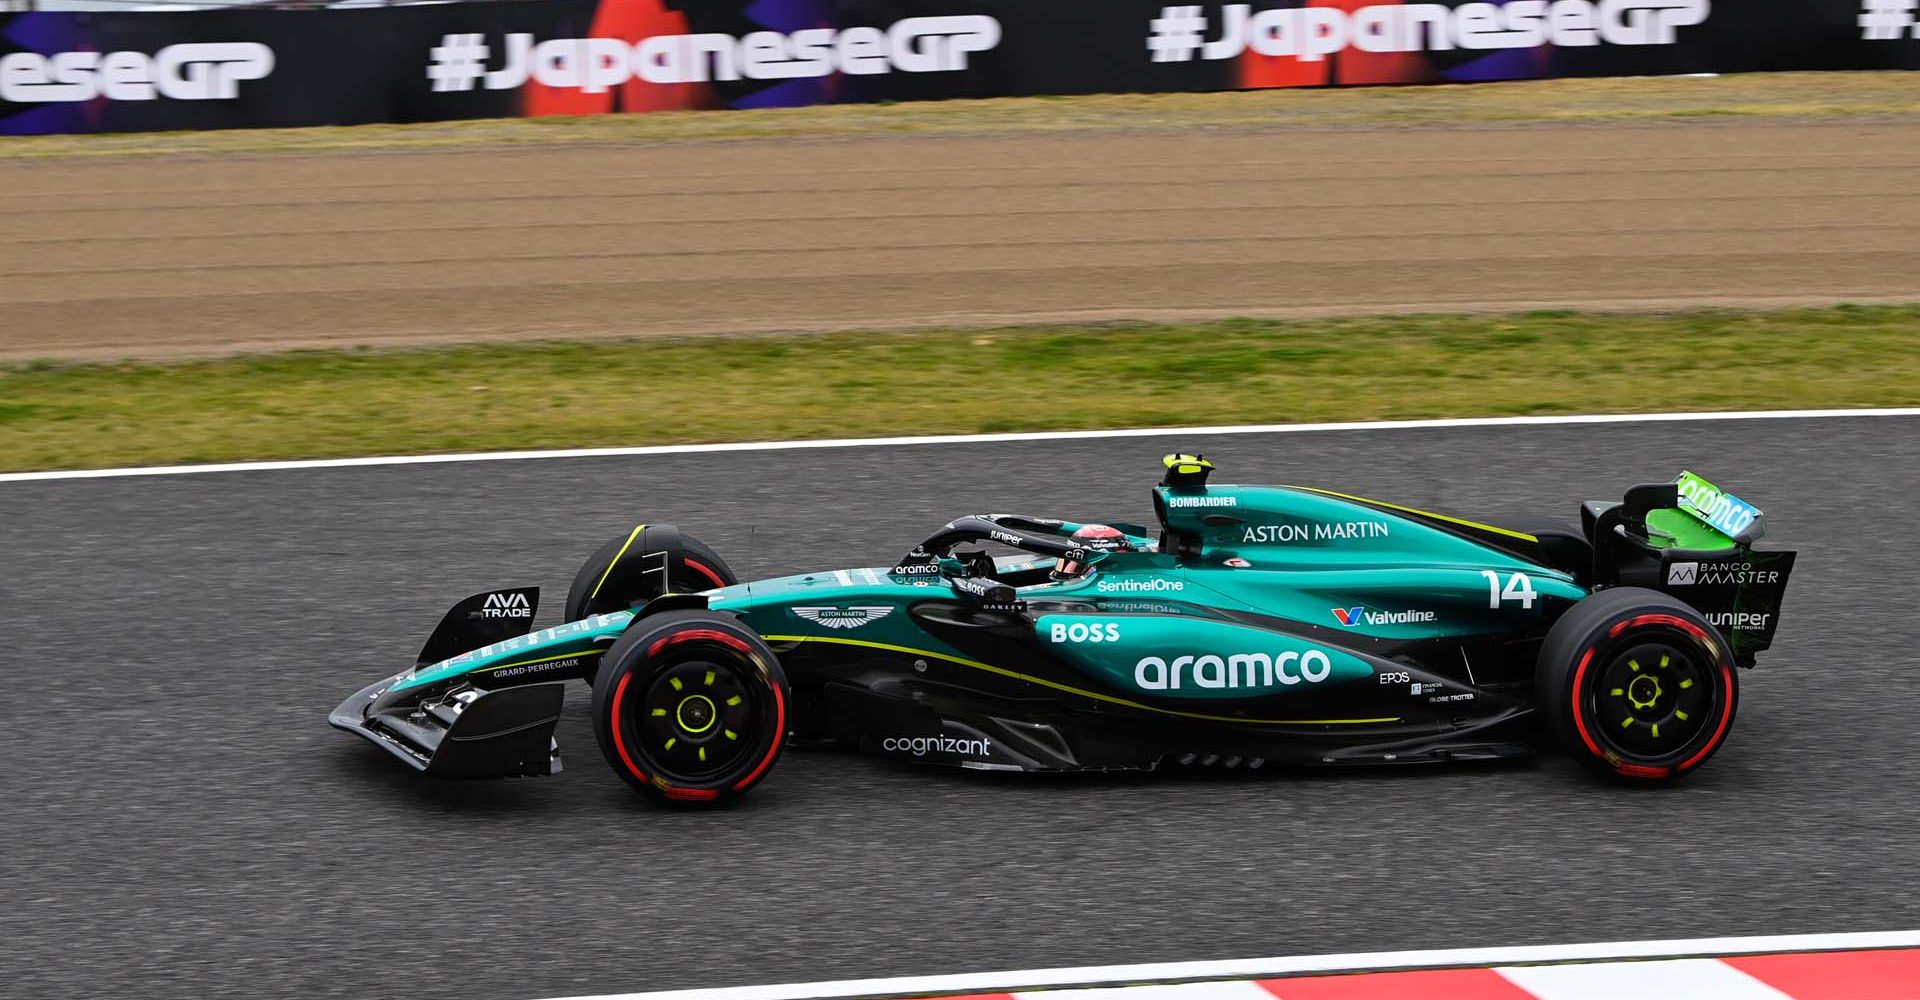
x=1782, y=96
x=317, y=404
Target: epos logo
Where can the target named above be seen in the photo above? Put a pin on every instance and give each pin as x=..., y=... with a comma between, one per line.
x=200, y=71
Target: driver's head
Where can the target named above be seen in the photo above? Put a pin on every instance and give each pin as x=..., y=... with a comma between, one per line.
x=1096, y=538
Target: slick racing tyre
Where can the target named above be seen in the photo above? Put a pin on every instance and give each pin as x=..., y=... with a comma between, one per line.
x=690, y=706
x=1637, y=684
x=596, y=588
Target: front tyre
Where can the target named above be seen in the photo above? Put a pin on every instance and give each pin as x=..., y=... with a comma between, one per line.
x=690, y=706
x=623, y=573
x=1637, y=684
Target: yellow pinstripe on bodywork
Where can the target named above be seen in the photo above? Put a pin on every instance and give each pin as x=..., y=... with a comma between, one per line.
x=617, y=556
x=1463, y=522
x=1110, y=699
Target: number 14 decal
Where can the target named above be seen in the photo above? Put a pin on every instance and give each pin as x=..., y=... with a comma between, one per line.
x=1519, y=588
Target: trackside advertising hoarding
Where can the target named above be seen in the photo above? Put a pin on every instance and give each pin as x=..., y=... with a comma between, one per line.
x=108, y=72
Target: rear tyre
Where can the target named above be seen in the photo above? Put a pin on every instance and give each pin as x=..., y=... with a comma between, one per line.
x=1637, y=684
x=691, y=707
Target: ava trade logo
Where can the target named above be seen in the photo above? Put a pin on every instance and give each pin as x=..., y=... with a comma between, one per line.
x=511, y=604
x=1350, y=617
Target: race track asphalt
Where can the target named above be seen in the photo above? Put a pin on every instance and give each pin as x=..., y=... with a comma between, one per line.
x=180, y=822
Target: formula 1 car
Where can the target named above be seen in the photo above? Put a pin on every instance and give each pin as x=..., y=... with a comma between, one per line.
x=1257, y=626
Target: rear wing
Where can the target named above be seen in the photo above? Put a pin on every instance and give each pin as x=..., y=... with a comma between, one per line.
x=1697, y=543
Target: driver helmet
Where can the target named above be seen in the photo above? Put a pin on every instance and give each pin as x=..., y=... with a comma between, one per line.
x=1096, y=538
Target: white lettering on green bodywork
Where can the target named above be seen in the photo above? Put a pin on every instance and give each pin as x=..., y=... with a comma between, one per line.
x=1180, y=657
x=558, y=641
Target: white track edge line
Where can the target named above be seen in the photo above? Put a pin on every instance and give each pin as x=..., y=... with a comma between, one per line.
x=892, y=442
x=1000, y=982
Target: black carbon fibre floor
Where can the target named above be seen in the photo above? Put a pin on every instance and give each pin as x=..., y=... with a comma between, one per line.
x=179, y=821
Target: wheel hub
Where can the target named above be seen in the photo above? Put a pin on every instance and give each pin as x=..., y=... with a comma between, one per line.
x=1652, y=698
x=695, y=714
x=1643, y=692
x=697, y=717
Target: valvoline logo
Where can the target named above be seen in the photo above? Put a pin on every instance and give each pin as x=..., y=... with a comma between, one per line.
x=1357, y=616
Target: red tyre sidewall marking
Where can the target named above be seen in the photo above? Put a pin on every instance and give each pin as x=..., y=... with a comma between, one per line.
x=1726, y=702
x=1726, y=717
x=1726, y=679
x=1579, y=723
x=620, y=744
x=703, y=571
x=779, y=734
x=779, y=718
x=1680, y=623
x=732, y=642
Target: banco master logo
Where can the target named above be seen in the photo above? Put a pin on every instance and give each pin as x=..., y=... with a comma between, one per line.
x=511, y=605
x=1237, y=670
x=1354, y=616
x=200, y=71
x=595, y=65
x=1720, y=574
x=853, y=617
x=1313, y=33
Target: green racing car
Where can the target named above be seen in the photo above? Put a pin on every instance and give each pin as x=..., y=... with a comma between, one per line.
x=1255, y=626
